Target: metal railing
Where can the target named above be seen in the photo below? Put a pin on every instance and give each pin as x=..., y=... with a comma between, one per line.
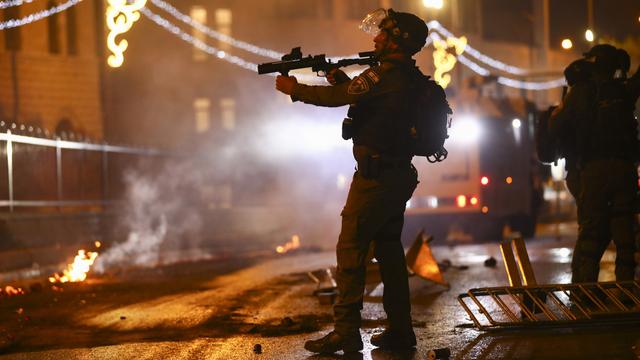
x=35, y=170
x=526, y=304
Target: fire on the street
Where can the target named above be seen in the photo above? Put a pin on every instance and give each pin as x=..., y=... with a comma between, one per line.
x=78, y=269
x=293, y=244
x=11, y=291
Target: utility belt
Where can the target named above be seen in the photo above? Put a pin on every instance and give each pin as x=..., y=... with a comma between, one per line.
x=371, y=166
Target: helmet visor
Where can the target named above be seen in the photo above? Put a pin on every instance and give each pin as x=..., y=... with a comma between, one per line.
x=371, y=23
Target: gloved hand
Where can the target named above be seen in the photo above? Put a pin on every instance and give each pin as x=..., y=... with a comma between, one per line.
x=337, y=76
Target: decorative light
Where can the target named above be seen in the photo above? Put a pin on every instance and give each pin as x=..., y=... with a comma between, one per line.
x=496, y=64
x=121, y=14
x=10, y=3
x=516, y=123
x=216, y=34
x=567, y=44
x=444, y=60
x=461, y=201
x=197, y=43
x=37, y=16
x=589, y=35
x=433, y=4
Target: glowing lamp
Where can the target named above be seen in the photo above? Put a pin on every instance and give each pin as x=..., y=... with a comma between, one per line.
x=485, y=209
x=473, y=201
x=461, y=201
x=433, y=4
x=484, y=180
x=567, y=44
x=589, y=35
x=508, y=180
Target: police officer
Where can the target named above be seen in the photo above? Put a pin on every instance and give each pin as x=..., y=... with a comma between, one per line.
x=597, y=117
x=383, y=183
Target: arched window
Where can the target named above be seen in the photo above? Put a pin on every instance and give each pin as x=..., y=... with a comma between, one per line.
x=54, y=31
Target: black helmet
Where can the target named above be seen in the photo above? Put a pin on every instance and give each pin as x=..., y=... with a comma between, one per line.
x=578, y=71
x=607, y=58
x=408, y=30
x=624, y=61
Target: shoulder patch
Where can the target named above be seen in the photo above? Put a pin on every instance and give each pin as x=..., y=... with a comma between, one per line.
x=371, y=74
x=358, y=86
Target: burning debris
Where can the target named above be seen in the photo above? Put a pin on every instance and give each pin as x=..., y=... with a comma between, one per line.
x=11, y=291
x=78, y=269
x=291, y=245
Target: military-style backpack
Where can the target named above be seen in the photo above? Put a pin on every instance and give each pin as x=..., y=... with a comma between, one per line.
x=429, y=114
x=613, y=128
x=547, y=146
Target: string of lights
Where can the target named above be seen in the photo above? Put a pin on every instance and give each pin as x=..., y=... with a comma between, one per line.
x=11, y=3
x=236, y=60
x=532, y=85
x=216, y=34
x=518, y=84
x=159, y=20
x=38, y=15
x=496, y=64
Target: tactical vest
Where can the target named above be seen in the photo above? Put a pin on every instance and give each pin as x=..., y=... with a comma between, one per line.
x=612, y=130
x=381, y=122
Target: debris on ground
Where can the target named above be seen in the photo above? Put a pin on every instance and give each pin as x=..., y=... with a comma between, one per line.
x=446, y=264
x=123, y=317
x=288, y=326
x=443, y=353
x=257, y=349
x=491, y=262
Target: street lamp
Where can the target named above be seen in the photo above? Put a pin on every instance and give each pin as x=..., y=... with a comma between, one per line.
x=433, y=4
x=567, y=44
x=589, y=35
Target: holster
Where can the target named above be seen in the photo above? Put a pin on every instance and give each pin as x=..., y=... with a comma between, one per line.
x=370, y=166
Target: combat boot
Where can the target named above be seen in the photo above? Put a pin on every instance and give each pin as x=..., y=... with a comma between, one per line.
x=333, y=342
x=394, y=340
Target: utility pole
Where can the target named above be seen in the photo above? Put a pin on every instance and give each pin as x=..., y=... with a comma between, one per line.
x=541, y=42
x=590, y=14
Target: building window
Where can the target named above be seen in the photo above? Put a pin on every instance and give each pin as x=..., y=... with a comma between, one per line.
x=228, y=113
x=54, y=31
x=202, y=110
x=223, y=24
x=72, y=31
x=199, y=14
x=12, y=39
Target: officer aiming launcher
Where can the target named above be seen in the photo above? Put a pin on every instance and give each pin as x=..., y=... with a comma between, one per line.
x=317, y=63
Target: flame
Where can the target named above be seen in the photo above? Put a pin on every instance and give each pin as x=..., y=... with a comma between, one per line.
x=11, y=291
x=76, y=271
x=293, y=244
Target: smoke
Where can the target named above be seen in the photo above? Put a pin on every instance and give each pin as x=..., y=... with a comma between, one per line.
x=156, y=216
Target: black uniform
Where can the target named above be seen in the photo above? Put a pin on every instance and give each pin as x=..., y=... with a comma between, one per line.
x=383, y=183
x=602, y=171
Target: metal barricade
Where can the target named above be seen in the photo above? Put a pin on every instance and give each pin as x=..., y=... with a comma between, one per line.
x=526, y=304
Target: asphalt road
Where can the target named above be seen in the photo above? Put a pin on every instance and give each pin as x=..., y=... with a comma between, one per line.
x=223, y=308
